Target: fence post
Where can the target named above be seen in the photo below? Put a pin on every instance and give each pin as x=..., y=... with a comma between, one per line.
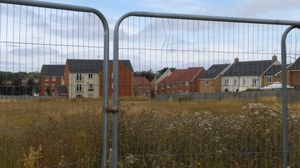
x=285, y=150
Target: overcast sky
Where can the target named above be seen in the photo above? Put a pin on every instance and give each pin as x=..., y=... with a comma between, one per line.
x=272, y=9
x=31, y=37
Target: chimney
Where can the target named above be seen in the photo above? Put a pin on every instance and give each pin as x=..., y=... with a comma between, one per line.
x=274, y=58
x=236, y=60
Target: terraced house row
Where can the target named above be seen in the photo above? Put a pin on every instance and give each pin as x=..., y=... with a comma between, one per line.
x=235, y=77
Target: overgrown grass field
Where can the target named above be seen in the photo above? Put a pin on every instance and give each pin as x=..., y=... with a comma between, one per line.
x=68, y=133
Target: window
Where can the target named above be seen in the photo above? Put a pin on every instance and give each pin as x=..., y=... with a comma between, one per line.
x=269, y=79
x=226, y=82
x=46, y=78
x=78, y=77
x=91, y=76
x=234, y=82
x=244, y=82
x=79, y=96
x=112, y=75
x=167, y=85
x=162, y=87
x=53, y=78
x=91, y=96
x=206, y=82
x=254, y=82
x=186, y=83
x=91, y=88
x=52, y=86
x=79, y=88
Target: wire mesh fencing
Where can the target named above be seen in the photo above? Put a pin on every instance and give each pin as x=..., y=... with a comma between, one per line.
x=50, y=55
x=206, y=92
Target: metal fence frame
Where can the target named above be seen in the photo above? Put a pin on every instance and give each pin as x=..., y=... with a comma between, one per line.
x=106, y=53
x=292, y=24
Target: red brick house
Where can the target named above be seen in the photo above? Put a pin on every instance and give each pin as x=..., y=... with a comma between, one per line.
x=181, y=80
x=141, y=87
x=51, y=81
x=84, y=78
x=125, y=78
x=295, y=73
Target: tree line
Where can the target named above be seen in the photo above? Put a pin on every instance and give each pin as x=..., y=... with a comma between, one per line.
x=18, y=83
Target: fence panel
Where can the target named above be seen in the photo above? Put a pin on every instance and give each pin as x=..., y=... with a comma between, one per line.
x=52, y=56
x=177, y=58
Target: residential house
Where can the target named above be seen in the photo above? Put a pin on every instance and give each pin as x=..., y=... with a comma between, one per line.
x=155, y=81
x=84, y=78
x=141, y=87
x=125, y=78
x=273, y=74
x=210, y=82
x=246, y=75
x=51, y=77
x=295, y=73
x=181, y=80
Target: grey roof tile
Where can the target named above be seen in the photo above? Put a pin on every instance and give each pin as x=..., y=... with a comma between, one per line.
x=248, y=68
x=273, y=70
x=295, y=65
x=52, y=70
x=214, y=71
x=91, y=66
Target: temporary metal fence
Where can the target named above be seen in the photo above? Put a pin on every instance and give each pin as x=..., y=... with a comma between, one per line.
x=53, y=53
x=55, y=71
x=190, y=54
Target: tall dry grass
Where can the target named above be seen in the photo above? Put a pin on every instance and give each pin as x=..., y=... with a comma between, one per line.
x=68, y=133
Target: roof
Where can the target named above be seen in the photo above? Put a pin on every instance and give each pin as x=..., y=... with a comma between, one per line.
x=167, y=73
x=182, y=75
x=214, y=71
x=274, y=69
x=140, y=81
x=52, y=70
x=296, y=65
x=91, y=65
x=248, y=68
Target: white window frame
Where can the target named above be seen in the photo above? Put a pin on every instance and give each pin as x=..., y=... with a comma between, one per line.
x=226, y=82
x=78, y=88
x=254, y=82
x=78, y=77
x=90, y=87
x=46, y=78
x=91, y=76
x=206, y=82
x=269, y=79
x=53, y=78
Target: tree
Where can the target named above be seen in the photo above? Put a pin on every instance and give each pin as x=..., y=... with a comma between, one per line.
x=149, y=75
x=162, y=71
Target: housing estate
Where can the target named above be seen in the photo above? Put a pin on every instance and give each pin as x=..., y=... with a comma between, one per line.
x=181, y=80
x=246, y=75
x=210, y=82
